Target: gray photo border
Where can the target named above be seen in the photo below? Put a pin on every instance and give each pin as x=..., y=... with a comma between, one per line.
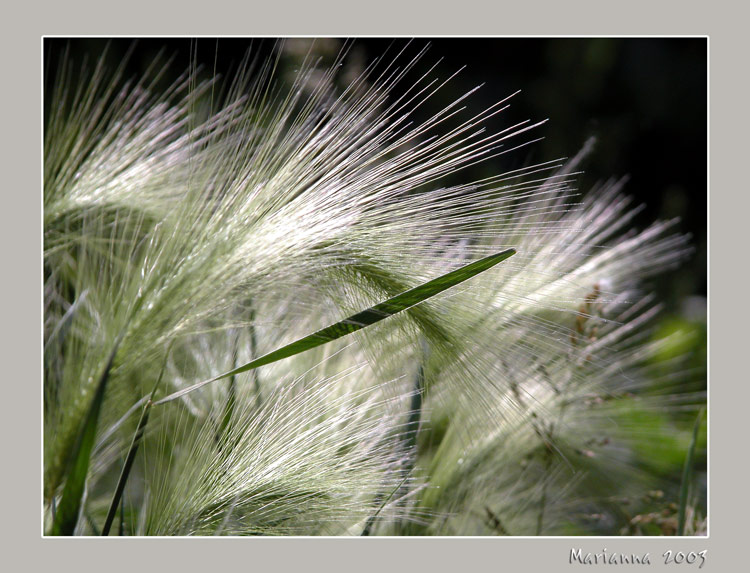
x=724, y=24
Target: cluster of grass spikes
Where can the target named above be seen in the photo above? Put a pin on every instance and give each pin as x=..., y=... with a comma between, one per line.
x=494, y=374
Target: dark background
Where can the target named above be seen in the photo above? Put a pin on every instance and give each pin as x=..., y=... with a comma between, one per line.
x=644, y=99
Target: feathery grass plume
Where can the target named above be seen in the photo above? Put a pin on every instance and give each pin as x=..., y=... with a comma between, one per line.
x=211, y=222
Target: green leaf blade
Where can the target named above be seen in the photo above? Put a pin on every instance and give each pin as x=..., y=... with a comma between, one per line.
x=363, y=319
x=67, y=513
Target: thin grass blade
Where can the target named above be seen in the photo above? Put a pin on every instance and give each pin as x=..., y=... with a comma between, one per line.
x=362, y=319
x=687, y=472
x=231, y=398
x=132, y=451
x=371, y=520
x=57, y=337
x=126, y=469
